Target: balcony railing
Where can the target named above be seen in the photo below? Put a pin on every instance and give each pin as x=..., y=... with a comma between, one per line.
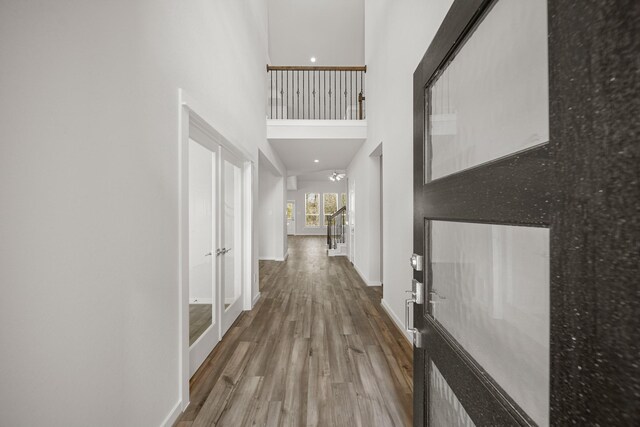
x=316, y=93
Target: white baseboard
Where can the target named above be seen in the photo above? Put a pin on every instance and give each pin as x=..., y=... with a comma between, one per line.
x=173, y=415
x=365, y=279
x=267, y=258
x=255, y=300
x=284, y=258
x=200, y=300
x=396, y=320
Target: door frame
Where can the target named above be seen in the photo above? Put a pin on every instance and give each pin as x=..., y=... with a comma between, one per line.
x=592, y=213
x=191, y=114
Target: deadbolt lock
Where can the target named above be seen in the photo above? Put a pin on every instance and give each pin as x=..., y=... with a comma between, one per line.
x=417, y=262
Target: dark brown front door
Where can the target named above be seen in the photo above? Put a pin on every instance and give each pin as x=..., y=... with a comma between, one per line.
x=526, y=213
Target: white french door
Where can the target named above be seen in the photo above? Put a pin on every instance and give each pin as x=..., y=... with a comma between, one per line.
x=204, y=319
x=230, y=252
x=215, y=246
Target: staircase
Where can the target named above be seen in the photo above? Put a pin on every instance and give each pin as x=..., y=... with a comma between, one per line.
x=336, y=226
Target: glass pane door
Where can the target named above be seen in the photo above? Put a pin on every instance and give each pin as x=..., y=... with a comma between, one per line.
x=201, y=240
x=204, y=323
x=231, y=251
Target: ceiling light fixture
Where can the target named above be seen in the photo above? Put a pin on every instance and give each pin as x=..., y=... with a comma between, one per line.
x=335, y=176
x=313, y=59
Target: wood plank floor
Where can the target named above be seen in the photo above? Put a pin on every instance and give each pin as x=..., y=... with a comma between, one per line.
x=317, y=350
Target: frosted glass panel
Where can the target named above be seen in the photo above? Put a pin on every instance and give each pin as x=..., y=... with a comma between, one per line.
x=491, y=285
x=492, y=100
x=445, y=410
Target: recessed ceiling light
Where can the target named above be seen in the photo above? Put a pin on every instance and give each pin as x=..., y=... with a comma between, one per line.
x=313, y=59
x=316, y=161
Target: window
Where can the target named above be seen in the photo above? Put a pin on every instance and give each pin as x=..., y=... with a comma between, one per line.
x=312, y=210
x=343, y=200
x=289, y=210
x=330, y=205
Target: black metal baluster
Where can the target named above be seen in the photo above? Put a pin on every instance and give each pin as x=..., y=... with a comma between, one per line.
x=329, y=95
x=340, y=95
x=309, y=96
x=335, y=98
x=345, y=95
x=298, y=93
x=362, y=94
x=357, y=100
x=351, y=93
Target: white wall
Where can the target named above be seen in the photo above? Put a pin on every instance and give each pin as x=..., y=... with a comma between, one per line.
x=272, y=235
x=364, y=171
x=324, y=186
x=89, y=188
x=396, y=36
x=266, y=187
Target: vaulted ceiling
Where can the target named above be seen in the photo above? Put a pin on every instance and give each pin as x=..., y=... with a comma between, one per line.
x=330, y=30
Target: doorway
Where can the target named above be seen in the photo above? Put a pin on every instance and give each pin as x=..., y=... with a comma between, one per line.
x=215, y=244
x=215, y=238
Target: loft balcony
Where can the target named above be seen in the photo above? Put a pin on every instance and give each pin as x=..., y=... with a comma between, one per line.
x=317, y=102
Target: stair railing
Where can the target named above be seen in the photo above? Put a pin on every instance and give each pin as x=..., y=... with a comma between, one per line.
x=336, y=228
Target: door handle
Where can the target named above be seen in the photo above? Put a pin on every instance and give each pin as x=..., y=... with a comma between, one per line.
x=222, y=251
x=417, y=297
x=208, y=254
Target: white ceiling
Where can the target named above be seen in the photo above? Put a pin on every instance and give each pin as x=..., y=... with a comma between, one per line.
x=298, y=155
x=330, y=30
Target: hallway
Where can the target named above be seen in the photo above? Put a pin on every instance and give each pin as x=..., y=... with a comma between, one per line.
x=316, y=350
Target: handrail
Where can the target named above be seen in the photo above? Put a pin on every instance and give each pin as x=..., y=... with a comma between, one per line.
x=338, y=212
x=316, y=68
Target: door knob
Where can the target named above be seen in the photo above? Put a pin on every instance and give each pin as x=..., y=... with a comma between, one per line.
x=208, y=254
